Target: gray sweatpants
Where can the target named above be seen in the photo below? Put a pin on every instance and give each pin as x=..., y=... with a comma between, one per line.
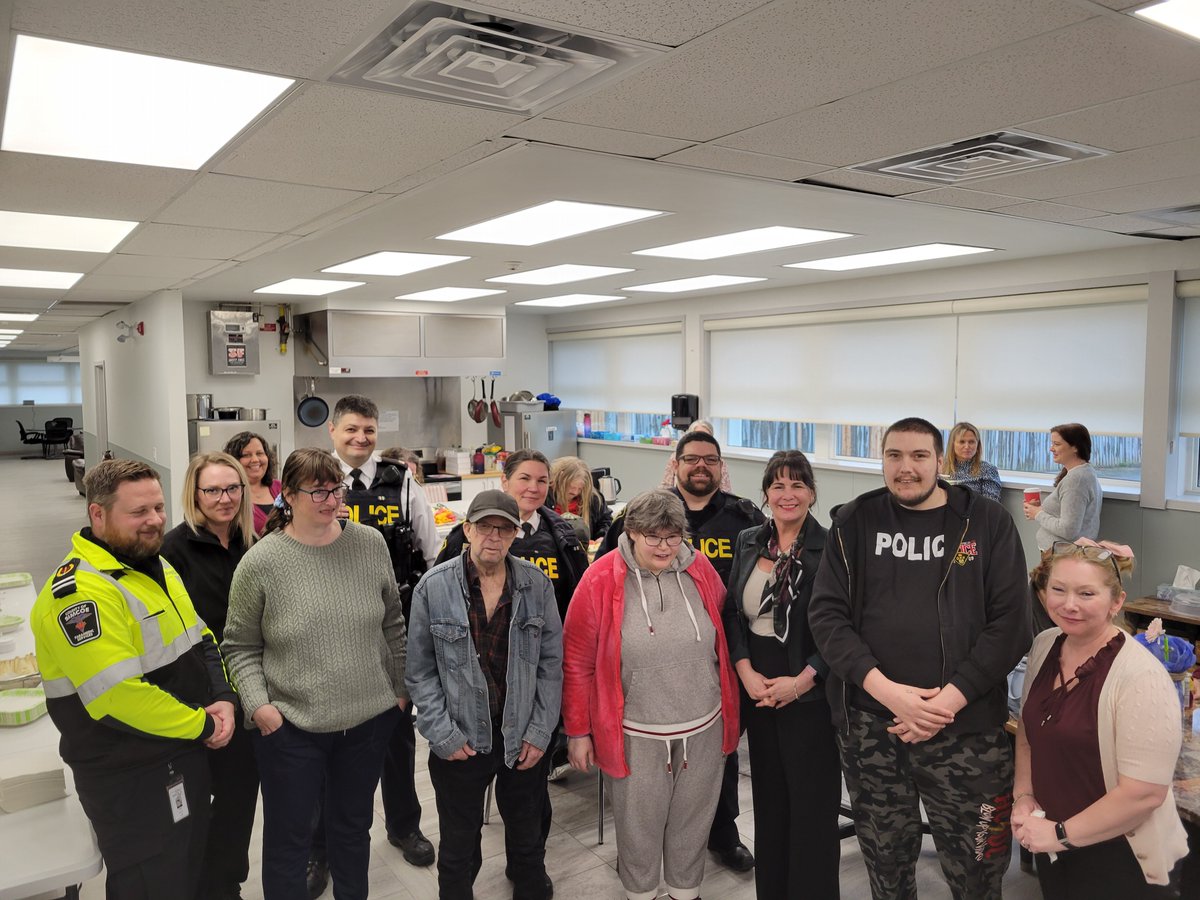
x=662, y=818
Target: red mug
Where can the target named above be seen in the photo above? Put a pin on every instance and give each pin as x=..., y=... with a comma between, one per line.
x=1033, y=496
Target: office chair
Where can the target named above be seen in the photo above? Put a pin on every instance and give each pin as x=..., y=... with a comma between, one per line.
x=33, y=438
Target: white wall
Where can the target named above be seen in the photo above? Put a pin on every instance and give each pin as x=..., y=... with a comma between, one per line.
x=147, y=419
x=271, y=388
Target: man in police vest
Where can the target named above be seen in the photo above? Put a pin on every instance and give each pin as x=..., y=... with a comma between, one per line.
x=135, y=684
x=714, y=519
x=384, y=494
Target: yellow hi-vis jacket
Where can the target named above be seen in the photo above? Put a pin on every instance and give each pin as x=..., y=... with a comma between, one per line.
x=138, y=660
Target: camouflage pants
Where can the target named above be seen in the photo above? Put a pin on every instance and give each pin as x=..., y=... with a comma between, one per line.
x=965, y=783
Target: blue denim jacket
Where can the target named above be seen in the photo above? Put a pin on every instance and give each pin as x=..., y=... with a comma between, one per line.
x=444, y=677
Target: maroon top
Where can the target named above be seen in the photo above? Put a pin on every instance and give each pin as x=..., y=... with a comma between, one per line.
x=1061, y=727
x=490, y=637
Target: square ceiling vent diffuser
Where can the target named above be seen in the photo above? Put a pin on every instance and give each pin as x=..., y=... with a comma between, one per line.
x=479, y=58
x=1002, y=153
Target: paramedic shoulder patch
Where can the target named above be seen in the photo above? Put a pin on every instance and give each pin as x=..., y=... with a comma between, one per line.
x=80, y=623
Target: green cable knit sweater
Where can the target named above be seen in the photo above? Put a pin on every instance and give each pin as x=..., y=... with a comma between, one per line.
x=317, y=631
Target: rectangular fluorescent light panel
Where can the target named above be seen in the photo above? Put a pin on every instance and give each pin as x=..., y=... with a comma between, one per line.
x=1180, y=15
x=47, y=232
x=93, y=103
x=449, y=294
x=699, y=283
x=548, y=222
x=18, y=317
x=889, y=257
x=11, y=332
x=393, y=262
x=35, y=278
x=756, y=239
x=308, y=287
x=558, y=274
x=570, y=300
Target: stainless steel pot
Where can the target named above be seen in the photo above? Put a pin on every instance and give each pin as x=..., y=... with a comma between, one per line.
x=226, y=412
x=252, y=413
x=199, y=406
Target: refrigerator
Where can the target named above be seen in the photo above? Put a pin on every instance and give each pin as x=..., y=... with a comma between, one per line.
x=553, y=433
x=211, y=435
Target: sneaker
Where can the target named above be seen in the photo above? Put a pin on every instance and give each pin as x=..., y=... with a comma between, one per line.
x=559, y=773
x=416, y=848
x=316, y=877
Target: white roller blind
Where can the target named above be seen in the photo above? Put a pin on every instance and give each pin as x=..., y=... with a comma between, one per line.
x=631, y=373
x=1031, y=369
x=865, y=372
x=1189, y=373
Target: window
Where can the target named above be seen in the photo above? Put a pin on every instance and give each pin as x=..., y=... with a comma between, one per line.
x=766, y=434
x=1113, y=456
x=859, y=441
x=618, y=426
x=41, y=382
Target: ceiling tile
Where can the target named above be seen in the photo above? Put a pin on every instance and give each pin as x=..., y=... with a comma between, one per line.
x=166, y=267
x=288, y=37
x=1155, y=195
x=155, y=239
x=84, y=302
x=276, y=243
x=12, y=300
x=795, y=55
x=103, y=295
x=741, y=162
x=1156, y=117
x=961, y=197
x=1120, y=224
x=49, y=260
x=344, y=137
x=450, y=165
x=143, y=283
x=1179, y=231
x=251, y=204
x=1050, y=212
x=342, y=213
x=84, y=187
x=589, y=137
x=865, y=181
x=669, y=22
x=1087, y=64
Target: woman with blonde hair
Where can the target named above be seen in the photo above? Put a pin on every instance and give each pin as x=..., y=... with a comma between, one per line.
x=205, y=550
x=571, y=491
x=964, y=463
x=1098, y=740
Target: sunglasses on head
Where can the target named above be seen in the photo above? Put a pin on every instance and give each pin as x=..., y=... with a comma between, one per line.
x=1087, y=551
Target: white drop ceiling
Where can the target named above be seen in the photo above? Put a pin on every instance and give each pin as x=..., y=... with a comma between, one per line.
x=746, y=99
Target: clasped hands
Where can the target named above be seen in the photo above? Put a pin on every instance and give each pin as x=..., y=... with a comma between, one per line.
x=919, y=713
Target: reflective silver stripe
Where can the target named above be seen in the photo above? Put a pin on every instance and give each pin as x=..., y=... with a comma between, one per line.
x=107, y=679
x=158, y=657
x=58, y=687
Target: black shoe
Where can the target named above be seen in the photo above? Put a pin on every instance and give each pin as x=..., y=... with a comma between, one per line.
x=415, y=847
x=547, y=884
x=316, y=877
x=738, y=857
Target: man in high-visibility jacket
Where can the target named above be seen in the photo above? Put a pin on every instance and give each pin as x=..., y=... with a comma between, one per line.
x=135, y=684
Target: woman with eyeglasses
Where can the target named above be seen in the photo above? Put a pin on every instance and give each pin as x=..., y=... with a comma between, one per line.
x=1098, y=740
x=205, y=549
x=796, y=776
x=649, y=695
x=258, y=459
x=965, y=465
x=315, y=645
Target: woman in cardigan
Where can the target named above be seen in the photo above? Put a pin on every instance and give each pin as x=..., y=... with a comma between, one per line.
x=315, y=644
x=258, y=459
x=797, y=779
x=649, y=695
x=1098, y=740
x=965, y=465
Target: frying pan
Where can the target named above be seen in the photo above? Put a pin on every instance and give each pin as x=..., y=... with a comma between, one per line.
x=495, y=406
x=471, y=402
x=480, y=405
x=312, y=410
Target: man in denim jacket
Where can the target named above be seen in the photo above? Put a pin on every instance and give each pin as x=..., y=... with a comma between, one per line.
x=485, y=674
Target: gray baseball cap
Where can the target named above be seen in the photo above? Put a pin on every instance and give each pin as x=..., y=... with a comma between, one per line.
x=494, y=503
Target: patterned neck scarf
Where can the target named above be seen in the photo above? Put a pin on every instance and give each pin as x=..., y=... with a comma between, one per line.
x=783, y=584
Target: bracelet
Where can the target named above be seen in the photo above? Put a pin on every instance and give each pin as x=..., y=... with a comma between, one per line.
x=796, y=688
x=1022, y=794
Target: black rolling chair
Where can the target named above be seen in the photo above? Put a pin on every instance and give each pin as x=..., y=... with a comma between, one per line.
x=56, y=434
x=32, y=438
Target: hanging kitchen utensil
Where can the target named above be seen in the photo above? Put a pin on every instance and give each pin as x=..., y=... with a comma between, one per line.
x=312, y=410
x=481, y=408
x=495, y=406
x=472, y=402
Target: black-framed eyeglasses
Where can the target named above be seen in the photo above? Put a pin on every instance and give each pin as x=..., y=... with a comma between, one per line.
x=693, y=459
x=1087, y=551
x=655, y=540
x=320, y=495
x=214, y=493
x=503, y=530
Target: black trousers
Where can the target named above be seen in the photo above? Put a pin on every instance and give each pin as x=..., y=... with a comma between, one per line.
x=796, y=780
x=1107, y=869
x=150, y=856
x=234, y=773
x=724, y=835
x=460, y=787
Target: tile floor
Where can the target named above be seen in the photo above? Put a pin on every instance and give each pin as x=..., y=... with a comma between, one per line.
x=47, y=510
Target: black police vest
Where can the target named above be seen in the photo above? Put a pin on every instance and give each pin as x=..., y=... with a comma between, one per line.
x=539, y=548
x=384, y=506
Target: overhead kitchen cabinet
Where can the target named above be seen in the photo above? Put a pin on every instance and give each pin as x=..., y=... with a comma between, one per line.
x=353, y=344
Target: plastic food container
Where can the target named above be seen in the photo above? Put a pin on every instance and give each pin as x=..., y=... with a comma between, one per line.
x=1186, y=602
x=22, y=706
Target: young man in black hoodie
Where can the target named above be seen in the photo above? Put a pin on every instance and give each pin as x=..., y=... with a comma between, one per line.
x=921, y=609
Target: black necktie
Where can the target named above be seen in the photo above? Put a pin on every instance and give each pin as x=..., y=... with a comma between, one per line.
x=527, y=528
x=357, y=483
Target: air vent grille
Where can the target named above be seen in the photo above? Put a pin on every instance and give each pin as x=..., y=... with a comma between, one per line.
x=1002, y=153
x=460, y=55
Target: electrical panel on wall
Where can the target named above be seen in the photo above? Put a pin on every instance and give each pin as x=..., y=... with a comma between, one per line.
x=233, y=342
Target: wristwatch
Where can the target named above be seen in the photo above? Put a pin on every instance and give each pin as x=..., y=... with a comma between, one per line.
x=1060, y=832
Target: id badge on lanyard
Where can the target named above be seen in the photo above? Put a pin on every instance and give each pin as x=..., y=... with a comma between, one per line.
x=177, y=797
